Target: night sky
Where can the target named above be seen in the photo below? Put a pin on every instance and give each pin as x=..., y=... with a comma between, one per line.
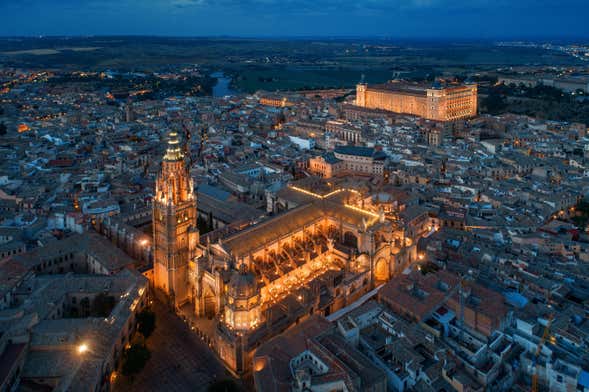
x=474, y=19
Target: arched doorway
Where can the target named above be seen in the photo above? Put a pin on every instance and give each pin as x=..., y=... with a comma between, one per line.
x=210, y=302
x=381, y=270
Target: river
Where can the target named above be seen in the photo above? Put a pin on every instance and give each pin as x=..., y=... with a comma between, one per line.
x=222, y=88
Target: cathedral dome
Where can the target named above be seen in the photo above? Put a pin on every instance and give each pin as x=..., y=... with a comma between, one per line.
x=243, y=285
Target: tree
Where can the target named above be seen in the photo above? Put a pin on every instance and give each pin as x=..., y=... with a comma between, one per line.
x=135, y=358
x=429, y=267
x=495, y=103
x=202, y=224
x=223, y=386
x=146, y=323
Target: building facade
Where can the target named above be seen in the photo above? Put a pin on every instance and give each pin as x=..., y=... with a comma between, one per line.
x=325, y=166
x=276, y=101
x=439, y=103
x=348, y=160
x=344, y=131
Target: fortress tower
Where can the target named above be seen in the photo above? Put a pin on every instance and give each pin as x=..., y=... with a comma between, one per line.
x=361, y=94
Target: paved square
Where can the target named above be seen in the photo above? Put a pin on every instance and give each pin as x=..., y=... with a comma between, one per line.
x=179, y=361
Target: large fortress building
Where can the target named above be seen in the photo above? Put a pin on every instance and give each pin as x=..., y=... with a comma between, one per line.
x=436, y=102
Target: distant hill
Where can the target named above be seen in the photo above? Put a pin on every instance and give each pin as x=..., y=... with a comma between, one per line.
x=151, y=53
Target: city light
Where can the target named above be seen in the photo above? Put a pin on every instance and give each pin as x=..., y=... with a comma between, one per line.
x=372, y=214
x=318, y=196
x=82, y=348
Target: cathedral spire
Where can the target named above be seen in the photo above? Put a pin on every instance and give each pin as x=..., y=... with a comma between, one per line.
x=173, y=152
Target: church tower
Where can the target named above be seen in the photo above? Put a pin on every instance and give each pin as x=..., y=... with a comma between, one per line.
x=361, y=94
x=175, y=233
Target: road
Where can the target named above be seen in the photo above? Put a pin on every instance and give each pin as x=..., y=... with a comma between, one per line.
x=179, y=361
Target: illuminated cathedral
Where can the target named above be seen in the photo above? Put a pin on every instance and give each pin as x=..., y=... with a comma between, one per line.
x=318, y=257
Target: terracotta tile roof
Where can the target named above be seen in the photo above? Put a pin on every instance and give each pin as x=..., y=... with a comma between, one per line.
x=417, y=295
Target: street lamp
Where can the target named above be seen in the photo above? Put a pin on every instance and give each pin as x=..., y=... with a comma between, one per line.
x=82, y=348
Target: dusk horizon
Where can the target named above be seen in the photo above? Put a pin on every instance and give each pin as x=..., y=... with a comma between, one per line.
x=539, y=38
x=410, y=18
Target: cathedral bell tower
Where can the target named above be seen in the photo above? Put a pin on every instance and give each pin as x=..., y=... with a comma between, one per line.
x=175, y=233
